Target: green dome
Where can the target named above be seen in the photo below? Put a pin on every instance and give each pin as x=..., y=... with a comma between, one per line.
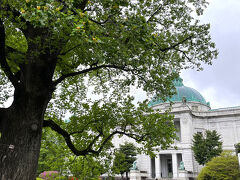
x=190, y=94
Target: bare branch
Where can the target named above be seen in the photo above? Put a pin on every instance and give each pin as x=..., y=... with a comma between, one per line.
x=3, y=60
x=63, y=77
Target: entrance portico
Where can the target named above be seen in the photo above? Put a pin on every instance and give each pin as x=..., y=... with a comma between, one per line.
x=165, y=165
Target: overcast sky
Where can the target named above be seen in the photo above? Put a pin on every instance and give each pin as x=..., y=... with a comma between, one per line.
x=220, y=83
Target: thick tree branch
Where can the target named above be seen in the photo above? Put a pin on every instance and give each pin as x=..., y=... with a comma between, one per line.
x=3, y=60
x=63, y=77
x=67, y=137
x=18, y=18
x=2, y=111
x=88, y=149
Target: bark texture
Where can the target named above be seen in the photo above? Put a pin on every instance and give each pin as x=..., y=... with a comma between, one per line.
x=21, y=123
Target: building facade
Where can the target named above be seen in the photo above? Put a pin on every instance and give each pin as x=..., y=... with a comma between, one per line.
x=192, y=114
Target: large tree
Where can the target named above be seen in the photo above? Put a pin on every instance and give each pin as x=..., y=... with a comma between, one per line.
x=53, y=52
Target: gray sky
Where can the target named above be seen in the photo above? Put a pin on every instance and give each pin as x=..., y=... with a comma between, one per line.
x=220, y=83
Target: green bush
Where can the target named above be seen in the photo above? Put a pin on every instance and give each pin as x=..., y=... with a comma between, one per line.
x=237, y=148
x=61, y=178
x=223, y=167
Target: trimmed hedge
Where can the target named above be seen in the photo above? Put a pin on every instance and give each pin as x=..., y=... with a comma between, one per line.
x=223, y=167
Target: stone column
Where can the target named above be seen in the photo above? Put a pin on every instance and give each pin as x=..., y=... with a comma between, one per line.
x=149, y=168
x=158, y=166
x=174, y=165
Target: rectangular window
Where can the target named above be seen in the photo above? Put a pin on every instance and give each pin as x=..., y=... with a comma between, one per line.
x=178, y=129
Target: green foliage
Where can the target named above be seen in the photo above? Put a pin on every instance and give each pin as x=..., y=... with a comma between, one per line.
x=55, y=155
x=124, y=158
x=206, y=146
x=87, y=167
x=119, y=164
x=52, y=152
x=93, y=53
x=61, y=178
x=223, y=167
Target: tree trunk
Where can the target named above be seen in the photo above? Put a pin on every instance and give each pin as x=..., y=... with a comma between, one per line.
x=21, y=129
x=122, y=176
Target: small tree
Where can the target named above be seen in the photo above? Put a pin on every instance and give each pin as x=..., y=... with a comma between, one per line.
x=223, y=167
x=124, y=158
x=237, y=148
x=206, y=146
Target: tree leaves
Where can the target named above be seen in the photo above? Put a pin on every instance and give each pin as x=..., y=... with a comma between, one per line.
x=206, y=147
x=93, y=52
x=124, y=158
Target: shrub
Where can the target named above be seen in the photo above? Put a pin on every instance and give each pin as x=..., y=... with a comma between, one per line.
x=61, y=178
x=223, y=167
x=237, y=148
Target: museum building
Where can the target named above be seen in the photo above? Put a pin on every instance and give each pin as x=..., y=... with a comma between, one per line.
x=192, y=115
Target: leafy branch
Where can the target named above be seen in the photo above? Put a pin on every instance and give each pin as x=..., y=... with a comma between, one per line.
x=3, y=61
x=63, y=77
x=176, y=44
x=89, y=149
